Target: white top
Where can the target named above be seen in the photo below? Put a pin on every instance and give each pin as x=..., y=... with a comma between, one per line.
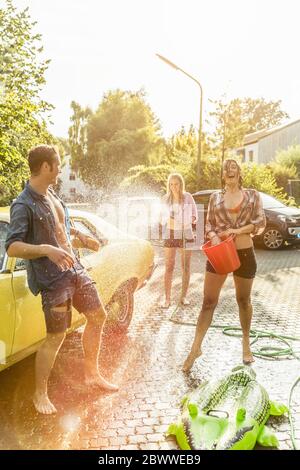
x=179, y=216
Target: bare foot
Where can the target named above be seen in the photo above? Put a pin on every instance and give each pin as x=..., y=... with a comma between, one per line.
x=188, y=363
x=247, y=354
x=165, y=304
x=99, y=381
x=43, y=404
x=184, y=301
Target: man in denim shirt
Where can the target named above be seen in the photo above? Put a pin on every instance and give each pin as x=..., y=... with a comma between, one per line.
x=39, y=232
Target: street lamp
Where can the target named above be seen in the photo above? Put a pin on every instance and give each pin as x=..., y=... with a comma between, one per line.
x=201, y=101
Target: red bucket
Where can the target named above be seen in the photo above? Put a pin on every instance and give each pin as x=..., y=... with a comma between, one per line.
x=222, y=257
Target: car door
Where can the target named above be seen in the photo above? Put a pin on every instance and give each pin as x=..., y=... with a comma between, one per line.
x=92, y=260
x=7, y=302
x=30, y=325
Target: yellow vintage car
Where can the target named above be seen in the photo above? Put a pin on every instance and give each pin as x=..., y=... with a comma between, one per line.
x=123, y=265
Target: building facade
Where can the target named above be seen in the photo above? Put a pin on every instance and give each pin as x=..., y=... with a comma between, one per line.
x=71, y=187
x=262, y=146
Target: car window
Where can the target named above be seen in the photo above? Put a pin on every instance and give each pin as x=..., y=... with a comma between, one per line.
x=202, y=199
x=270, y=202
x=3, y=233
x=20, y=264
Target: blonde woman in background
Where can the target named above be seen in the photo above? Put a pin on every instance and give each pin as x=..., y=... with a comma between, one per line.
x=179, y=212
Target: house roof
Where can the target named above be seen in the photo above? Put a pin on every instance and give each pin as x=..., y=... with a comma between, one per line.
x=256, y=136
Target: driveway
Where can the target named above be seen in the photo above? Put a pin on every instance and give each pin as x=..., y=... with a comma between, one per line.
x=146, y=363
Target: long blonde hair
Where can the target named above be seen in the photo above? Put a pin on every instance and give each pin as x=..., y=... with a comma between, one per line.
x=179, y=177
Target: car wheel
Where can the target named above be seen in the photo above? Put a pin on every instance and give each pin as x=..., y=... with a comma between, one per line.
x=120, y=309
x=272, y=239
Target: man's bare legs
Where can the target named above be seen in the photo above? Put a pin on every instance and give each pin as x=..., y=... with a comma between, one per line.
x=212, y=286
x=44, y=361
x=170, y=254
x=186, y=274
x=243, y=292
x=91, y=341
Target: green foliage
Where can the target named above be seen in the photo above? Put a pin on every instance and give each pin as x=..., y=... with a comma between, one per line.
x=182, y=144
x=282, y=174
x=122, y=133
x=144, y=178
x=22, y=124
x=290, y=158
x=241, y=116
x=260, y=114
x=230, y=126
x=78, y=133
x=261, y=177
x=154, y=178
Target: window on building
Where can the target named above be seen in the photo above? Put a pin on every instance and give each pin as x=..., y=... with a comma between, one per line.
x=72, y=190
x=250, y=155
x=72, y=177
x=241, y=153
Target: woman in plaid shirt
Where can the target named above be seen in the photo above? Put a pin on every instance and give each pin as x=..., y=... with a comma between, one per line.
x=239, y=212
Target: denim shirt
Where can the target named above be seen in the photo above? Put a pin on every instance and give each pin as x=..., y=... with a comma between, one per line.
x=32, y=221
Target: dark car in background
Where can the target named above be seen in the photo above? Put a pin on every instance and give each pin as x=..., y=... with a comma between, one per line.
x=283, y=222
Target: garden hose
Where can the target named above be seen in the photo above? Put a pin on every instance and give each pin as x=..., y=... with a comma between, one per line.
x=262, y=352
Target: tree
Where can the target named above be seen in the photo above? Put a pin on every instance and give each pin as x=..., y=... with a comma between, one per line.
x=143, y=179
x=261, y=177
x=22, y=111
x=260, y=114
x=282, y=174
x=290, y=158
x=239, y=117
x=123, y=132
x=78, y=133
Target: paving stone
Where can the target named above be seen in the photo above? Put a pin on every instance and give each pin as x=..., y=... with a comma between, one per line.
x=147, y=361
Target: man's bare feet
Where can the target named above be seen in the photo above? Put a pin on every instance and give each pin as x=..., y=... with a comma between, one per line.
x=188, y=363
x=99, y=381
x=247, y=354
x=184, y=301
x=43, y=404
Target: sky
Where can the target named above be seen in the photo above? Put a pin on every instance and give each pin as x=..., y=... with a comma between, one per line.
x=235, y=48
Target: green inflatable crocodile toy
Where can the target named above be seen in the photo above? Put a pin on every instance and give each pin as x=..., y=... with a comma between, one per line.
x=227, y=414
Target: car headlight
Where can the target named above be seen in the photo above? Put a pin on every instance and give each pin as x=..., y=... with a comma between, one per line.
x=293, y=220
x=285, y=218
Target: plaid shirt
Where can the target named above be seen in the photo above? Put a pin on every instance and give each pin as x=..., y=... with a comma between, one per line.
x=218, y=218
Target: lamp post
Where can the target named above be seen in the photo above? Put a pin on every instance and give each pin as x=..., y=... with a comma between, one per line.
x=199, y=157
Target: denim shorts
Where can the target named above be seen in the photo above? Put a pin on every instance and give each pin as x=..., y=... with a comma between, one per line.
x=248, y=267
x=77, y=289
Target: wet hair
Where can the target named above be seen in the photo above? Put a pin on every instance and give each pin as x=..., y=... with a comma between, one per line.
x=225, y=166
x=40, y=154
x=179, y=178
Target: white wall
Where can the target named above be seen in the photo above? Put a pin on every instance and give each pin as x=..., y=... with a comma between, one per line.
x=279, y=140
x=251, y=148
x=66, y=184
